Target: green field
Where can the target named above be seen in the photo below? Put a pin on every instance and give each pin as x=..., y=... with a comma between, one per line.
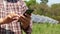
x=46, y=28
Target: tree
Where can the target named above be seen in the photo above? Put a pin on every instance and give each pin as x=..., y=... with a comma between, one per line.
x=30, y=2
x=55, y=9
x=44, y=7
x=38, y=8
x=44, y=1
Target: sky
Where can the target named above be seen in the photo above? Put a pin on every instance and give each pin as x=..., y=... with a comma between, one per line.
x=51, y=1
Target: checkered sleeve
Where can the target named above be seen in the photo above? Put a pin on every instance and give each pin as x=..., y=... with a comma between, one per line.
x=23, y=6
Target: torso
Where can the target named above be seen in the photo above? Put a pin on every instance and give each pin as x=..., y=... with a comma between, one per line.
x=5, y=9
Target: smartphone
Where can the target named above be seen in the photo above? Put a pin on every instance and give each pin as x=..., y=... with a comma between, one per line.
x=29, y=11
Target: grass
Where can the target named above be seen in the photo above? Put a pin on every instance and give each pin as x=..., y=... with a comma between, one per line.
x=46, y=28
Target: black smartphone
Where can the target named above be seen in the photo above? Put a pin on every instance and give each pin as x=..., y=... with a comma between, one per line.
x=29, y=11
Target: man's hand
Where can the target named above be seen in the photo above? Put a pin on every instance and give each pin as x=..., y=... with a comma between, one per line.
x=25, y=20
x=26, y=23
x=9, y=18
x=12, y=16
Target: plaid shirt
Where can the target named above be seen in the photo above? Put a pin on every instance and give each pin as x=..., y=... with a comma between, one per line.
x=5, y=9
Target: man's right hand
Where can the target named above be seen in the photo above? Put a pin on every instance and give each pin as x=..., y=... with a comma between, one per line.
x=9, y=18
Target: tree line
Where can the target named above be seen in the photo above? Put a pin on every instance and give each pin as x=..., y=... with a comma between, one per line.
x=43, y=9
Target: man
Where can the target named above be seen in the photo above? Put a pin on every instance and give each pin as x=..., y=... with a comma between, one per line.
x=18, y=7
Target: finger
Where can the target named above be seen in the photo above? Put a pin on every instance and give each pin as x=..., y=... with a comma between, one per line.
x=28, y=16
x=24, y=19
x=16, y=18
x=8, y=16
x=14, y=15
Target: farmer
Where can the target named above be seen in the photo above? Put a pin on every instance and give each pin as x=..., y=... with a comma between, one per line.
x=13, y=6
